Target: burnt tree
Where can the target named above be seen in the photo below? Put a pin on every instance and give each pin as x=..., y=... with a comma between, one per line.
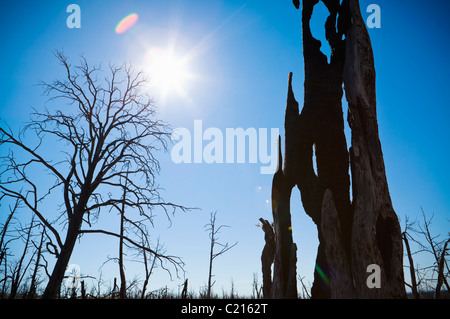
x=285, y=259
x=352, y=235
x=214, y=231
x=267, y=256
x=108, y=133
x=279, y=248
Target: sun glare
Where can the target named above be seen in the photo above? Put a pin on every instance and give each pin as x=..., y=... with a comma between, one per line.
x=168, y=72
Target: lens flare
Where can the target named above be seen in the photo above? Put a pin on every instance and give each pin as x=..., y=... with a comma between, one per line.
x=126, y=23
x=322, y=275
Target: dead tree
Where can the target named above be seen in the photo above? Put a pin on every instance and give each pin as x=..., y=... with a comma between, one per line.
x=184, y=292
x=108, y=134
x=267, y=257
x=352, y=235
x=406, y=236
x=37, y=264
x=3, y=234
x=257, y=291
x=83, y=290
x=412, y=270
x=426, y=278
x=213, y=231
x=279, y=248
x=19, y=268
x=148, y=270
x=441, y=276
x=123, y=282
x=438, y=249
x=284, y=284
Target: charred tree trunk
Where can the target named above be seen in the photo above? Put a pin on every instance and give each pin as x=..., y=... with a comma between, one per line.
x=32, y=292
x=20, y=268
x=441, y=278
x=53, y=287
x=412, y=270
x=320, y=125
x=185, y=290
x=123, y=282
x=83, y=290
x=354, y=235
x=376, y=234
x=267, y=257
x=285, y=258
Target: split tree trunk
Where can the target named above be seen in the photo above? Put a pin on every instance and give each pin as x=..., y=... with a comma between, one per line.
x=354, y=235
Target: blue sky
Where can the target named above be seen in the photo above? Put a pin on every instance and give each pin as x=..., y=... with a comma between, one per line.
x=240, y=53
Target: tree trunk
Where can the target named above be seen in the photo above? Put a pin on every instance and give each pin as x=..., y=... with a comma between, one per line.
x=354, y=235
x=320, y=125
x=83, y=290
x=267, y=257
x=123, y=283
x=53, y=287
x=376, y=234
x=32, y=291
x=17, y=275
x=412, y=270
x=185, y=290
x=123, y=287
x=285, y=259
x=441, y=278
x=211, y=254
x=340, y=279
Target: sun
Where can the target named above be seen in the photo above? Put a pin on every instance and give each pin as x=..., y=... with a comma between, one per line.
x=169, y=73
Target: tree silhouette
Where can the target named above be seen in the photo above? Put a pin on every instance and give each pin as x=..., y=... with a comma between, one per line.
x=214, y=230
x=429, y=278
x=352, y=234
x=108, y=134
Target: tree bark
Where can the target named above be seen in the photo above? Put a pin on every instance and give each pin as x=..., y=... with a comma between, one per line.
x=340, y=280
x=376, y=234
